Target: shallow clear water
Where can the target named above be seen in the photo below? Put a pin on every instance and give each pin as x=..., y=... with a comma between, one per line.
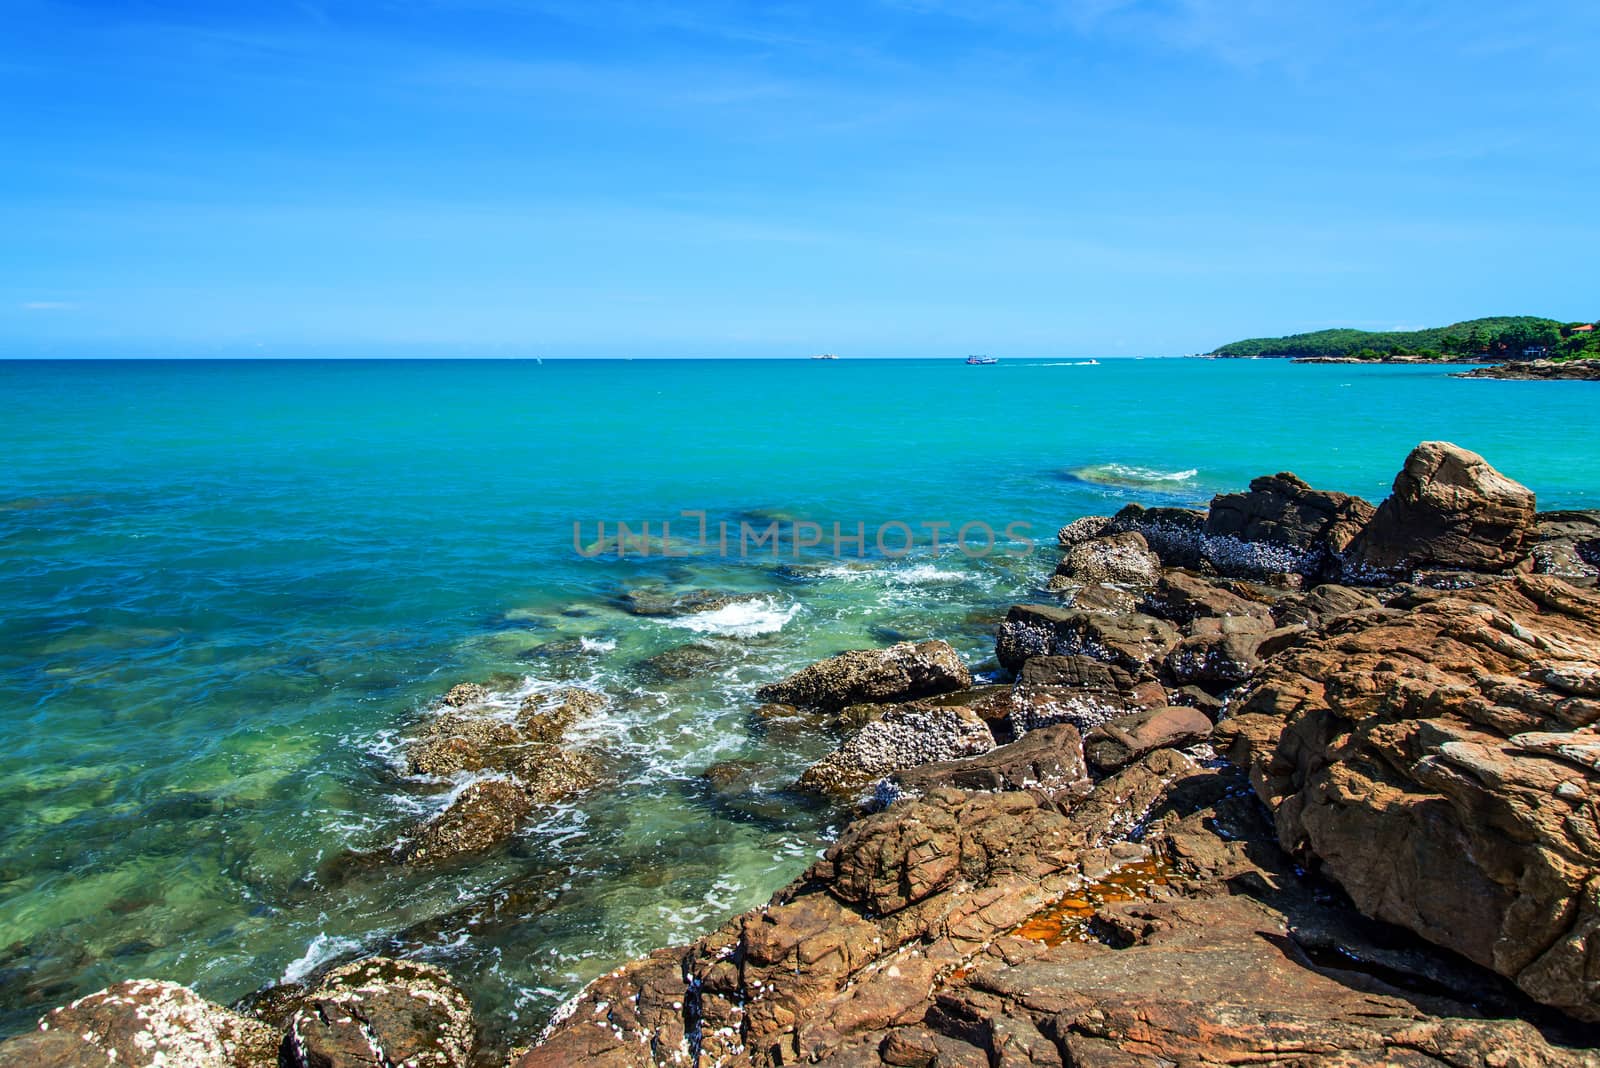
x=228, y=590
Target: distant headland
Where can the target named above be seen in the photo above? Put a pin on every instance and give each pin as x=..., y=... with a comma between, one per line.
x=1495, y=339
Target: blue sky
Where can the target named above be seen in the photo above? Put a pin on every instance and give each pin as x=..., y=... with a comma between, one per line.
x=876, y=178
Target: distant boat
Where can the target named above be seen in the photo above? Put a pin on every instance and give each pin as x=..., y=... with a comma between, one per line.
x=825, y=356
x=981, y=361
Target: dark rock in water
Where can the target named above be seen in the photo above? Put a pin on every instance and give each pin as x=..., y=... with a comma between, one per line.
x=687, y=661
x=1119, y=742
x=1283, y=510
x=463, y=694
x=1539, y=371
x=1449, y=509
x=659, y=601
x=904, y=737
x=144, y=1023
x=380, y=1012
x=1440, y=763
x=486, y=814
x=1049, y=760
x=1135, y=643
x=899, y=673
x=549, y=773
x=457, y=742
x=1123, y=559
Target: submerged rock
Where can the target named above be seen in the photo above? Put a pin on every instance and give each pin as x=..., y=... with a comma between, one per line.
x=1449, y=509
x=901, y=672
x=381, y=1012
x=486, y=813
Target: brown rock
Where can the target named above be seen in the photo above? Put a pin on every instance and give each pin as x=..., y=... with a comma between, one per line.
x=1049, y=759
x=1123, y=559
x=144, y=1023
x=380, y=1012
x=1121, y=741
x=1409, y=753
x=1283, y=510
x=904, y=737
x=899, y=673
x=1135, y=643
x=1181, y=597
x=484, y=815
x=1449, y=509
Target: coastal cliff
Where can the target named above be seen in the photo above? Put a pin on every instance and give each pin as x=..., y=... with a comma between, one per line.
x=1293, y=780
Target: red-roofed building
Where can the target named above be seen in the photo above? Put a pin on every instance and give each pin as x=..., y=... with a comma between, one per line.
x=1584, y=329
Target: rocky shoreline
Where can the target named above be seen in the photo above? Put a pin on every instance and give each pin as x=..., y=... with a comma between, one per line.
x=1540, y=371
x=1293, y=780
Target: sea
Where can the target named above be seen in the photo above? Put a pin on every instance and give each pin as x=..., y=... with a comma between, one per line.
x=231, y=591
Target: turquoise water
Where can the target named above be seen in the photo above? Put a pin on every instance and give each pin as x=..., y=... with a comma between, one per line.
x=229, y=590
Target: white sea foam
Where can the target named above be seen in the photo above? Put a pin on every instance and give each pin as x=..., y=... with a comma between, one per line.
x=743, y=619
x=1115, y=474
x=322, y=949
x=597, y=645
x=926, y=573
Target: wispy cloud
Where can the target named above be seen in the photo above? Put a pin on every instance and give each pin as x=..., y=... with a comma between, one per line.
x=47, y=305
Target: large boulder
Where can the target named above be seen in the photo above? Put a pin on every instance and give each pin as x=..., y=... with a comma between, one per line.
x=380, y=1012
x=1133, y=642
x=1449, y=509
x=904, y=737
x=144, y=1023
x=1284, y=510
x=1438, y=760
x=1123, y=559
x=901, y=672
x=1049, y=759
x=1119, y=742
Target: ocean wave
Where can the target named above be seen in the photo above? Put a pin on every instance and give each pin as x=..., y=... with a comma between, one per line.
x=320, y=951
x=927, y=573
x=1132, y=476
x=597, y=645
x=743, y=619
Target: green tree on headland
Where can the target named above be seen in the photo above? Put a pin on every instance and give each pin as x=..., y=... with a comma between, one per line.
x=1504, y=337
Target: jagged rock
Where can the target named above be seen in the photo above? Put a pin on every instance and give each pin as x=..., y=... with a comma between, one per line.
x=1174, y=533
x=144, y=1023
x=1081, y=530
x=548, y=773
x=546, y=719
x=1284, y=510
x=1395, y=754
x=1225, y=659
x=1321, y=603
x=901, y=672
x=855, y=944
x=1048, y=759
x=904, y=737
x=485, y=814
x=1181, y=597
x=1449, y=509
x=381, y=1012
x=1568, y=546
x=1116, y=558
x=1095, y=596
x=1135, y=643
x=458, y=742
x=1119, y=742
